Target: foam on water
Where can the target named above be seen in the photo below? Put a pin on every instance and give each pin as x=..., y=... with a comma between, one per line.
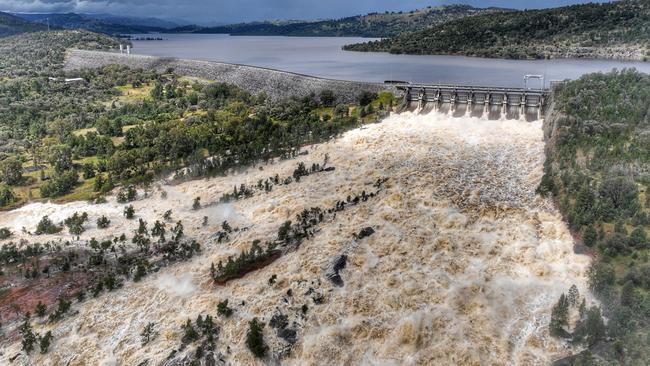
x=464, y=267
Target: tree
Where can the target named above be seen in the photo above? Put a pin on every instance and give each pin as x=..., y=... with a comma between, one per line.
x=190, y=334
x=197, y=203
x=75, y=223
x=147, y=334
x=255, y=338
x=45, y=342
x=5, y=233
x=129, y=212
x=366, y=97
x=60, y=184
x=601, y=276
x=11, y=171
x=327, y=98
x=29, y=338
x=88, y=171
x=223, y=309
x=574, y=296
x=560, y=317
x=638, y=238
x=283, y=231
x=630, y=296
x=103, y=222
x=620, y=197
x=40, y=309
x=7, y=196
x=157, y=91
x=589, y=235
x=61, y=158
x=46, y=226
x=595, y=326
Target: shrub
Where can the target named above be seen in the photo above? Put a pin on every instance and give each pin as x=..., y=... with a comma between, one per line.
x=45, y=342
x=614, y=245
x=5, y=233
x=7, y=196
x=60, y=184
x=620, y=197
x=46, y=226
x=29, y=338
x=365, y=97
x=103, y=222
x=127, y=194
x=601, y=276
x=589, y=236
x=327, y=98
x=75, y=223
x=129, y=212
x=223, y=309
x=638, y=238
x=11, y=171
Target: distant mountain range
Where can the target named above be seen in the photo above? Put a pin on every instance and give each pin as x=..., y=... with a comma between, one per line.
x=371, y=25
x=11, y=25
x=101, y=23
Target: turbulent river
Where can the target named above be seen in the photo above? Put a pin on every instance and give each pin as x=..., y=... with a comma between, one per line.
x=463, y=269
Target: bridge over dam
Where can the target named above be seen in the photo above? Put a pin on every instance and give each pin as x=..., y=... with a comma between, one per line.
x=475, y=101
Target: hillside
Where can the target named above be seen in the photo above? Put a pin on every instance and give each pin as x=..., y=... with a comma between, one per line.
x=598, y=149
x=612, y=30
x=12, y=25
x=101, y=24
x=371, y=25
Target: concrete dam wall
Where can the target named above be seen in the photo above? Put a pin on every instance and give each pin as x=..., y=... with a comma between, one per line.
x=276, y=84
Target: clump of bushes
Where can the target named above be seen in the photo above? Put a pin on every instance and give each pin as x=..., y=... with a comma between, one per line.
x=46, y=226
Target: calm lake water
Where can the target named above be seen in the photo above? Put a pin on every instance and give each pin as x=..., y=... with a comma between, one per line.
x=324, y=57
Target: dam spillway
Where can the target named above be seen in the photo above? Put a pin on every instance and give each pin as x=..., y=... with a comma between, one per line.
x=475, y=101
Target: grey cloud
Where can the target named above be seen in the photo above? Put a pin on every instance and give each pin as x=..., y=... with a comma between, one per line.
x=228, y=11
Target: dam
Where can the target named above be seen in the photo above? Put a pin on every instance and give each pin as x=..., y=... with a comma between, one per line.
x=475, y=101
x=489, y=102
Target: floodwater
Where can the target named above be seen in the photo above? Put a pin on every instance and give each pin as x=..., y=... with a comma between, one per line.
x=323, y=57
x=464, y=266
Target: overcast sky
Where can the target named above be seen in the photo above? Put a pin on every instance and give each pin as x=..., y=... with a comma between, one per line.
x=231, y=11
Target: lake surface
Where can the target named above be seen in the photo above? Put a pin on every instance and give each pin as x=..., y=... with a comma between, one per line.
x=324, y=57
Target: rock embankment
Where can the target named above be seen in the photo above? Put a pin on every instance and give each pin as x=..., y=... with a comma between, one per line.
x=276, y=84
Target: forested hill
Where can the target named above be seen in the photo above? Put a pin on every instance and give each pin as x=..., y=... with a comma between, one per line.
x=598, y=151
x=106, y=24
x=372, y=25
x=11, y=25
x=618, y=29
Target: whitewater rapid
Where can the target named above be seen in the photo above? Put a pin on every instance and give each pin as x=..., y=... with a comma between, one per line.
x=463, y=269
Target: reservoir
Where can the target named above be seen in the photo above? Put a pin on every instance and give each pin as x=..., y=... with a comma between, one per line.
x=323, y=57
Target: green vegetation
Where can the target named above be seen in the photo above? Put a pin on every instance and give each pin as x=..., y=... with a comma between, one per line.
x=42, y=53
x=46, y=226
x=75, y=223
x=223, y=309
x=372, y=25
x=598, y=153
x=546, y=33
x=76, y=141
x=255, y=339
